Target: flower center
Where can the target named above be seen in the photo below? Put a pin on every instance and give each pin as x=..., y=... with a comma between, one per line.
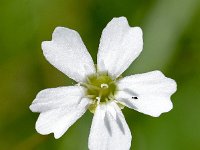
x=100, y=88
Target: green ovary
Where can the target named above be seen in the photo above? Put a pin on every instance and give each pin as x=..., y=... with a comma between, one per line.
x=100, y=88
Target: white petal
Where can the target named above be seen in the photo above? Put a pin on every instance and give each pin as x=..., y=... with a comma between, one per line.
x=109, y=130
x=119, y=46
x=148, y=93
x=68, y=53
x=59, y=108
x=57, y=97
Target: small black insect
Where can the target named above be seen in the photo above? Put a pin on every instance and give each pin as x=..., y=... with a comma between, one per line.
x=134, y=97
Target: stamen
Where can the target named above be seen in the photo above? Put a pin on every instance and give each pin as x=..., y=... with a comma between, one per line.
x=98, y=100
x=104, y=85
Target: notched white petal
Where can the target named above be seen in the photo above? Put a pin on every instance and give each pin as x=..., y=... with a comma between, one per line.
x=58, y=121
x=53, y=98
x=109, y=130
x=119, y=46
x=148, y=93
x=59, y=108
x=67, y=52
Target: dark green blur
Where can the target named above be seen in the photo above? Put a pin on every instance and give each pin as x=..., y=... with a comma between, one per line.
x=171, y=44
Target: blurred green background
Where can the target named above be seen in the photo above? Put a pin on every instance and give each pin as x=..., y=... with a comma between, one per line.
x=171, y=44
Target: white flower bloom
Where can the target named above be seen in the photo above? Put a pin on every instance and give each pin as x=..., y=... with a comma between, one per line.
x=101, y=90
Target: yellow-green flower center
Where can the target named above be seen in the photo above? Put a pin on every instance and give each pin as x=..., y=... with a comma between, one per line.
x=100, y=88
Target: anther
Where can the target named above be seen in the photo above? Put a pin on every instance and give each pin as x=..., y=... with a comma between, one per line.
x=105, y=86
x=98, y=100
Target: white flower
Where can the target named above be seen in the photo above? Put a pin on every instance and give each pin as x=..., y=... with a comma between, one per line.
x=100, y=89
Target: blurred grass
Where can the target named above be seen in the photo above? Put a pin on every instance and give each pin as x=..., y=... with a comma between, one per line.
x=171, y=38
